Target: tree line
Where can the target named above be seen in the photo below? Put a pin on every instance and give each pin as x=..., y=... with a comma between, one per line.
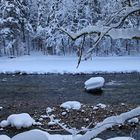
x=34, y=25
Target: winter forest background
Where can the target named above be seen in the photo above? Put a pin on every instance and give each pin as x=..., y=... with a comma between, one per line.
x=34, y=25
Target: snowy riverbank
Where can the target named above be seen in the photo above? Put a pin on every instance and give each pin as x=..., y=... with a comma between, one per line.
x=40, y=64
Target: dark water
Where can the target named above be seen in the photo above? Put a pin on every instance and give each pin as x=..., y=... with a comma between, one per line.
x=51, y=90
x=27, y=93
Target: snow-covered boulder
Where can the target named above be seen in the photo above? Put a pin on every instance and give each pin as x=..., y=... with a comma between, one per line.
x=41, y=135
x=4, y=137
x=31, y=135
x=71, y=105
x=18, y=120
x=100, y=105
x=94, y=83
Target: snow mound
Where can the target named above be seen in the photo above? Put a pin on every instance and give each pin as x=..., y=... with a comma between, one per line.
x=94, y=83
x=41, y=135
x=18, y=120
x=133, y=121
x=32, y=135
x=1, y=107
x=71, y=105
x=122, y=138
x=100, y=105
x=4, y=137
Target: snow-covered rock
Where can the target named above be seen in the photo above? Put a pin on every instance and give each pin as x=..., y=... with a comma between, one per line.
x=41, y=135
x=4, y=137
x=18, y=120
x=100, y=105
x=1, y=107
x=31, y=135
x=94, y=83
x=71, y=105
x=133, y=121
x=122, y=138
x=49, y=110
x=64, y=113
x=4, y=123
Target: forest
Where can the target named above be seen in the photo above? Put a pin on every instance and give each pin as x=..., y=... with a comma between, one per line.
x=35, y=25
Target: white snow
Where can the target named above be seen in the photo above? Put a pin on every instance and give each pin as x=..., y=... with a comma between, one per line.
x=71, y=105
x=18, y=120
x=100, y=105
x=94, y=83
x=133, y=121
x=49, y=110
x=121, y=138
x=1, y=107
x=41, y=135
x=109, y=122
x=64, y=113
x=41, y=64
x=31, y=135
x=128, y=33
x=4, y=137
x=4, y=123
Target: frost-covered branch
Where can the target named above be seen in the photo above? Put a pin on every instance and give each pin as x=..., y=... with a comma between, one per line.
x=123, y=14
x=125, y=33
x=110, y=29
x=109, y=123
x=100, y=127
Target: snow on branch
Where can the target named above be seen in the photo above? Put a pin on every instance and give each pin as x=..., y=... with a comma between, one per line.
x=100, y=127
x=109, y=29
x=122, y=14
x=109, y=123
x=128, y=33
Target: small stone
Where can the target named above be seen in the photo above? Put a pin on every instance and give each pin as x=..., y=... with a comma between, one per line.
x=95, y=108
x=64, y=113
x=44, y=116
x=1, y=107
x=82, y=110
x=40, y=119
x=123, y=104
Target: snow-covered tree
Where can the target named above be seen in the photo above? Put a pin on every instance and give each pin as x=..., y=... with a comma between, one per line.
x=13, y=21
x=114, y=26
x=27, y=25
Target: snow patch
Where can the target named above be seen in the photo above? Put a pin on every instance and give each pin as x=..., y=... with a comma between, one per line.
x=1, y=107
x=100, y=105
x=122, y=138
x=57, y=64
x=71, y=105
x=4, y=137
x=133, y=121
x=18, y=120
x=49, y=110
x=32, y=135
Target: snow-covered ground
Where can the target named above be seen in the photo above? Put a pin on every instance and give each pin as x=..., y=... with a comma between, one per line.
x=41, y=135
x=41, y=64
x=24, y=120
